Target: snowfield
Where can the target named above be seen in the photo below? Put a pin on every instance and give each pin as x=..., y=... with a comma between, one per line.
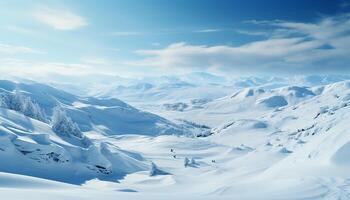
x=266, y=139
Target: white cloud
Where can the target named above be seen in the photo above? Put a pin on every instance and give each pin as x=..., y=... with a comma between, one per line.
x=60, y=19
x=208, y=30
x=253, y=33
x=51, y=72
x=95, y=72
x=162, y=32
x=23, y=68
x=13, y=49
x=249, y=56
x=292, y=47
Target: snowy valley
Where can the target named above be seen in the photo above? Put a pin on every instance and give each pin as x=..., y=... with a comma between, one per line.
x=276, y=138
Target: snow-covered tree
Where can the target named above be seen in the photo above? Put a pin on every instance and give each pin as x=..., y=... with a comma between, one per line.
x=2, y=101
x=193, y=161
x=23, y=104
x=153, y=170
x=189, y=162
x=186, y=162
x=63, y=125
x=31, y=109
x=156, y=171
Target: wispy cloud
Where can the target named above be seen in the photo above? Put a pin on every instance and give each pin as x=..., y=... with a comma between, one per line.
x=290, y=47
x=207, y=30
x=253, y=54
x=60, y=19
x=345, y=4
x=62, y=72
x=162, y=32
x=14, y=49
x=32, y=69
x=252, y=33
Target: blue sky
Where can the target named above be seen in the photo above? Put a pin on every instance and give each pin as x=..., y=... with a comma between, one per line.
x=134, y=38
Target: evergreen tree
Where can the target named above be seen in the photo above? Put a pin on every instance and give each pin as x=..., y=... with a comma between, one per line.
x=63, y=125
x=22, y=104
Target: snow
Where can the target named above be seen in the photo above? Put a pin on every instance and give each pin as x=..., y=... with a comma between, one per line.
x=90, y=113
x=274, y=101
x=286, y=142
x=32, y=148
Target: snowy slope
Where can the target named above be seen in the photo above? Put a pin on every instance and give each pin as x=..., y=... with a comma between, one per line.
x=241, y=104
x=290, y=142
x=30, y=147
x=104, y=115
x=298, y=151
x=191, y=96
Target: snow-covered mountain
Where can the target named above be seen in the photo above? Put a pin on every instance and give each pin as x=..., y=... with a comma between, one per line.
x=191, y=91
x=102, y=115
x=287, y=142
x=51, y=134
x=241, y=103
x=143, y=93
x=270, y=82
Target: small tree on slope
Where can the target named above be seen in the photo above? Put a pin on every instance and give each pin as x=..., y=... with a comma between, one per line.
x=156, y=171
x=63, y=125
x=31, y=109
x=186, y=162
x=23, y=104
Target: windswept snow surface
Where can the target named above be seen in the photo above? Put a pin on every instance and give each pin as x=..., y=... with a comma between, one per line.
x=288, y=142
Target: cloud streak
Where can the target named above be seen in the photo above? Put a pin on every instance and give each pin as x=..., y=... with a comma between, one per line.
x=14, y=49
x=252, y=33
x=60, y=19
x=292, y=47
x=207, y=30
x=24, y=68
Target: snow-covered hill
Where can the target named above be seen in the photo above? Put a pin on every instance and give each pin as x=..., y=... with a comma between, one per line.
x=242, y=103
x=289, y=142
x=296, y=150
x=31, y=147
x=145, y=94
x=102, y=115
x=49, y=133
x=167, y=96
